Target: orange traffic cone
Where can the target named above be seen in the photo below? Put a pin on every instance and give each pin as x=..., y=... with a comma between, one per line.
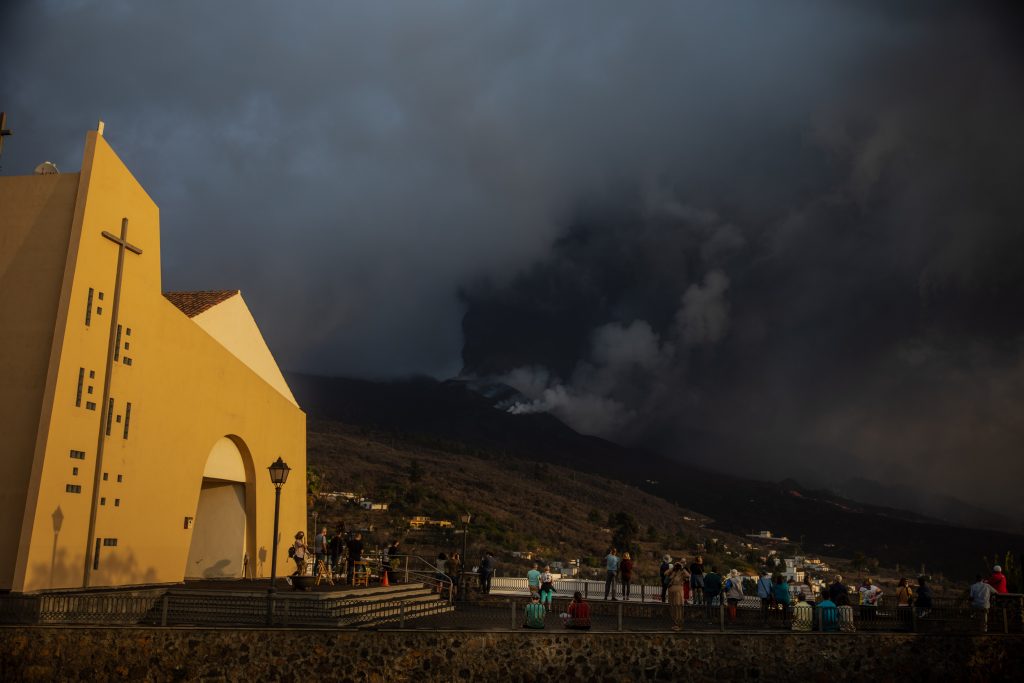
x=384, y=577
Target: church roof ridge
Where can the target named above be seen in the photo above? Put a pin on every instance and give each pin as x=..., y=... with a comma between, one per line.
x=196, y=302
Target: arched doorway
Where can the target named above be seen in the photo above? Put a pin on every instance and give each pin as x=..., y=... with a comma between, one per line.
x=219, y=529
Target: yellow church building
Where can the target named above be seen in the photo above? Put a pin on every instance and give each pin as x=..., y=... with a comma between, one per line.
x=136, y=425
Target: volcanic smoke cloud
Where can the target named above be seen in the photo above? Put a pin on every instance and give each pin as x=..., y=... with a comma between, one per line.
x=782, y=239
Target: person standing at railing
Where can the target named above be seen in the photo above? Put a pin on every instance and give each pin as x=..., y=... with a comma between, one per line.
x=870, y=594
x=666, y=564
x=355, y=554
x=452, y=567
x=626, y=574
x=997, y=580
x=533, y=580
x=712, y=590
x=547, y=587
x=486, y=572
x=320, y=550
x=904, y=594
x=764, y=591
x=392, y=560
x=337, y=548
x=733, y=593
x=980, y=594
x=611, y=565
x=697, y=580
x=678, y=578
x=780, y=591
x=924, y=596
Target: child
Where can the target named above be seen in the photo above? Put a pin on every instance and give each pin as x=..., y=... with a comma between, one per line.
x=547, y=587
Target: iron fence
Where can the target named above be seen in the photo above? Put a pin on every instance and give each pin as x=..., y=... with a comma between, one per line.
x=419, y=608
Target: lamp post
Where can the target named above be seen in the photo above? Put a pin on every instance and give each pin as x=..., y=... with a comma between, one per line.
x=466, y=519
x=278, y=476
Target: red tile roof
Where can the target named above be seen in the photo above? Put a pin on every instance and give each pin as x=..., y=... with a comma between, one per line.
x=194, y=303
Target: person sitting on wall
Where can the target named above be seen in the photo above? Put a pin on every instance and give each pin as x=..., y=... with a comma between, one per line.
x=829, y=613
x=803, y=613
x=577, y=614
x=534, y=613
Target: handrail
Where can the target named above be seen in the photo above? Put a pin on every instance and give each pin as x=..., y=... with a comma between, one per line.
x=427, y=577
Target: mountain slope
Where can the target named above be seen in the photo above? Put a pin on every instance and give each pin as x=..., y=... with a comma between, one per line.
x=452, y=415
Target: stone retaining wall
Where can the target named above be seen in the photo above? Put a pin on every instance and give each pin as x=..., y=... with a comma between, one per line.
x=100, y=654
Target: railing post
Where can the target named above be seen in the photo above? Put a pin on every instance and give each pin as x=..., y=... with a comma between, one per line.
x=821, y=620
x=619, y=616
x=287, y=605
x=913, y=619
x=586, y=590
x=512, y=611
x=1006, y=621
x=641, y=591
x=163, y=610
x=401, y=615
x=407, y=569
x=721, y=613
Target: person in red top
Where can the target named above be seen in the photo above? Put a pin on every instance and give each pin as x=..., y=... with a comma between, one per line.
x=997, y=580
x=626, y=574
x=578, y=614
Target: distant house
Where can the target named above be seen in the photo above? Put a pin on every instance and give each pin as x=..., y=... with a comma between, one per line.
x=767, y=536
x=420, y=521
x=370, y=505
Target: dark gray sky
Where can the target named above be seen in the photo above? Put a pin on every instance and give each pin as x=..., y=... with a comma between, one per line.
x=783, y=238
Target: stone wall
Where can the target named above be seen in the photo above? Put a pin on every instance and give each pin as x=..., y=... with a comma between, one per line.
x=80, y=653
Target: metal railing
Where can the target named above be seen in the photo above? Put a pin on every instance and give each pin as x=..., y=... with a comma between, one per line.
x=420, y=609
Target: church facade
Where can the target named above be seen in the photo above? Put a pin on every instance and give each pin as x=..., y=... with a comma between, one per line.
x=137, y=424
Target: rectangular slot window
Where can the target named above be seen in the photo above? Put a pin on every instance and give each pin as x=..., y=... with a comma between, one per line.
x=117, y=344
x=110, y=542
x=117, y=502
x=88, y=308
x=74, y=471
x=120, y=478
x=110, y=414
x=88, y=389
x=99, y=310
x=105, y=475
x=103, y=501
x=73, y=488
x=127, y=346
x=81, y=381
x=96, y=556
x=77, y=455
x=128, y=332
x=101, y=296
x=89, y=405
x=92, y=374
x=127, y=360
x=127, y=421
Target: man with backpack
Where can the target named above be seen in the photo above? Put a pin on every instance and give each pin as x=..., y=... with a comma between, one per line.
x=712, y=589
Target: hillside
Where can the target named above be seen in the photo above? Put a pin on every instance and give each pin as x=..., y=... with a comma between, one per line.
x=453, y=418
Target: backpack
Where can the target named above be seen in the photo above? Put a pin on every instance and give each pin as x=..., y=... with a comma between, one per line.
x=291, y=552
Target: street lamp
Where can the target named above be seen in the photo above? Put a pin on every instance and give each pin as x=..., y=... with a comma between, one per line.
x=278, y=476
x=466, y=519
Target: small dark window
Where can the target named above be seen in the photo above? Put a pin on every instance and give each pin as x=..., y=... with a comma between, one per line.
x=103, y=501
x=88, y=308
x=110, y=414
x=110, y=542
x=89, y=405
x=117, y=344
x=118, y=419
x=73, y=488
x=120, y=478
x=99, y=310
x=78, y=455
x=92, y=374
x=88, y=389
x=127, y=346
x=128, y=332
x=117, y=502
x=74, y=471
x=78, y=394
x=126, y=360
x=105, y=475
x=127, y=421
x=101, y=296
